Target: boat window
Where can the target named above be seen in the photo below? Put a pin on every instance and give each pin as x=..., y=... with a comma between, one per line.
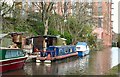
x=66, y=51
x=78, y=47
x=8, y=54
x=60, y=52
x=71, y=50
x=13, y=53
x=54, y=49
x=20, y=53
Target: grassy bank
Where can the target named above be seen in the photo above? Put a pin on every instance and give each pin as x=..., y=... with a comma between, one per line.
x=114, y=71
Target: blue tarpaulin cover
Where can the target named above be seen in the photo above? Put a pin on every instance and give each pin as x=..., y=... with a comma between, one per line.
x=81, y=43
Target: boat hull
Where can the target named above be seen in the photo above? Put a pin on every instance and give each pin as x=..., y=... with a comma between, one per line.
x=82, y=53
x=56, y=57
x=12, y=64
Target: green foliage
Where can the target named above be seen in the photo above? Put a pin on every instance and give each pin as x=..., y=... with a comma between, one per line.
x=119, y=38
x=67, y=36
x=118, y=43
x=37, y=27
x=114, y=71
x=77, y=27
x=52, y=31
x=92, y=39
x=17, y=23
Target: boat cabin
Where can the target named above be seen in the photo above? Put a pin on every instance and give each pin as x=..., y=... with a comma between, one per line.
x=82, y=48
x=9, y=53
x=61, y=50
x=42, y=42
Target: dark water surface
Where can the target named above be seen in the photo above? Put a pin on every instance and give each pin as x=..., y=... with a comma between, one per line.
x=97, y=63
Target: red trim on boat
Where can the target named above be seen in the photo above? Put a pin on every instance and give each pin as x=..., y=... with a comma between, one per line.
x=12, y=64
x=56, y=57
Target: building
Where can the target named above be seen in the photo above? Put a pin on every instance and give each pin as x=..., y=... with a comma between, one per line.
x=102, y=13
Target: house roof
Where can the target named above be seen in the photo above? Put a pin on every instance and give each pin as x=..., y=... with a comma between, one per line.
x=16, y=33
x=63, y=39
x=3, y=35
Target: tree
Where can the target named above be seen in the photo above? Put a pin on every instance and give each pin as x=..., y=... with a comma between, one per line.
x=56, y=23
x=5, y=12
x=81, y=22
x=46, y=21
x=45, y=9
x=13, y=21
x=118, y=43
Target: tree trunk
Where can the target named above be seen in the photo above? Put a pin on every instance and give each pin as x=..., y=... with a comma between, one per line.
x=46, y=27
x=74, y=41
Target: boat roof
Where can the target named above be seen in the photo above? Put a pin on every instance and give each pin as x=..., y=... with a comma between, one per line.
x=9, y=48
x=45, y=36
x=81, y=43
x=63, y=46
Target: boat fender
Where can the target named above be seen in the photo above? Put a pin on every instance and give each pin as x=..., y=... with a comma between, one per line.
x=49, y=57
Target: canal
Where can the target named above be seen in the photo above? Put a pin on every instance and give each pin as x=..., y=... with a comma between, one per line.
x=96, y=63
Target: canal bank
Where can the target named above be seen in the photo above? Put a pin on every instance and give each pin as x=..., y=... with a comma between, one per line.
x=114, y=71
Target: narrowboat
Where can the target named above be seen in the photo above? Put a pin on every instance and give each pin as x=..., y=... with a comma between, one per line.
x=82, y=48
x=11, y=59
x=53, y=53
x=56, y=53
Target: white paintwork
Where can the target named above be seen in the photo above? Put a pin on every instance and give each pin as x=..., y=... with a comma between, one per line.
x=47, y=61
x=38, y=61
x=81, y=48
x=12, y=59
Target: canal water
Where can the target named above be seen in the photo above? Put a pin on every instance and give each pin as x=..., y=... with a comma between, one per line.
x=96, y=63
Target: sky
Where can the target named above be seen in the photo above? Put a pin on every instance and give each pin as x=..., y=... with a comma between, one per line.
x=114, y=16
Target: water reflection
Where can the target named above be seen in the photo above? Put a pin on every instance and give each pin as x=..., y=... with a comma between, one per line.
x=99, y=62
x=74, y=67
x=102, y=61
x=65, y=67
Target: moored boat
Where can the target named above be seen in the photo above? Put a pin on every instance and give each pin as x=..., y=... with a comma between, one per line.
x=57, y=52
x=82, y=48
x=11, y=59
x=61, y=52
